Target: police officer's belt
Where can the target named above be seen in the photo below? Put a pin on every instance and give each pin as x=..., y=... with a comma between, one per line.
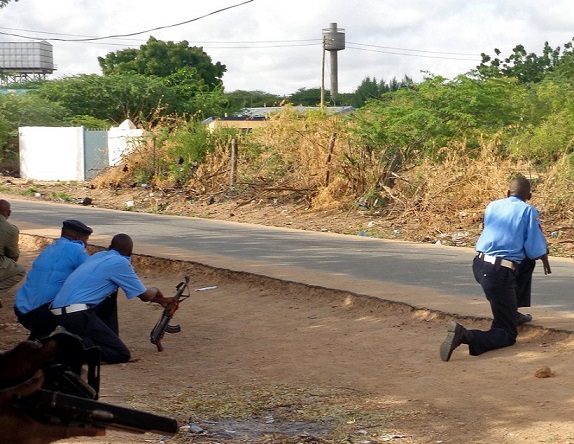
x=69, y=309
x=497, y=261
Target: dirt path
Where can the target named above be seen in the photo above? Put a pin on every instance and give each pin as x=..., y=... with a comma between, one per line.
x=265, y=361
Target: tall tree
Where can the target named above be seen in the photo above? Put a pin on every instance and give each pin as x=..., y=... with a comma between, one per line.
x=368, y=89
x=564, y=69
x=134, y=96
x=163, y=59
x=240, y=99
x=5, y=2
x=371, y=89
x=525, y=67
x=306, y=97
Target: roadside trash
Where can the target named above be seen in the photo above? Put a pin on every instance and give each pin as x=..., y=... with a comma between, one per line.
x=37, y=195
x=396, y=231
x=363, y=233
x=459, y=235
x=191, y=428
x=370, y=224
x=390, y=437
x=194, y=428
x=213, y=287
x=86, y=201
x=130, y=203
x=554, y=234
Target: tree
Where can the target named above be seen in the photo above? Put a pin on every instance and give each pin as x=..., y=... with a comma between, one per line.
x=371, y=89
x=192, y=96
x=521, y=65
x=312, y=97
x=163, y=59
x=368, y=89
x=113, y=98
x=19, y=109
x=239, y=99
x=117, y=97
x=564, y=70
x=306, y=97
x=421, y=121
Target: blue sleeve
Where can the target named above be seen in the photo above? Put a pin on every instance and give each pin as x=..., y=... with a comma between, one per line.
x=535, y=243
x=80, y=257
x=127, y=279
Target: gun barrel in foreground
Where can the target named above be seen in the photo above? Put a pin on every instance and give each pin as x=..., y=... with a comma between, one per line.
x=61, y=408
x=70, y=391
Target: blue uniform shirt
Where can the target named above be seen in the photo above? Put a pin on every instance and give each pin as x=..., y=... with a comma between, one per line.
x=49, y=271
x=511, y=231
x=97, y=278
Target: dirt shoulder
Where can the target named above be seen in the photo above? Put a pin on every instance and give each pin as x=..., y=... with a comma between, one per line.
x=274, y=209
x=261, y=360
x=264, y=210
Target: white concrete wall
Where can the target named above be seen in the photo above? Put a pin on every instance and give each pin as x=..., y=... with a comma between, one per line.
x=52, y=153
x=122, y=140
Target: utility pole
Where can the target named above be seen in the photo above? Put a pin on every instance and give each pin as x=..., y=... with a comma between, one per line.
x=323, y=76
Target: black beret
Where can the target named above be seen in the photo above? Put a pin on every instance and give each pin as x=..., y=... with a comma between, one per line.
x=77, y=226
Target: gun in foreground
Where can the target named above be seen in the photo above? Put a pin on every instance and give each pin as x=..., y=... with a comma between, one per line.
x=66, y=398
x=162, y=325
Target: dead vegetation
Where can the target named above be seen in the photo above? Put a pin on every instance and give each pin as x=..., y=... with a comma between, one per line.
x=310, y=174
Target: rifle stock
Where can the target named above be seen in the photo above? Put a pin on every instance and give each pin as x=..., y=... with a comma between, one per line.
x=162, y=325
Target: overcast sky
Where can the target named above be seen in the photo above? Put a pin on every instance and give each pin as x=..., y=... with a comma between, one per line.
x=276, y=46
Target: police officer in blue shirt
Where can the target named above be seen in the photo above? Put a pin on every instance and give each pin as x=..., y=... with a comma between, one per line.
x=49, y=271
x=86, y=305
x=511, y=234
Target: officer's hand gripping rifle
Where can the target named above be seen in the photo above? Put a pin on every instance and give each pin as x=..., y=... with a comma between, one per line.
x=162, y=325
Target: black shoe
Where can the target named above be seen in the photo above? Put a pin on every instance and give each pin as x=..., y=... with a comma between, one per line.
x=522, y=318
x=457, y=334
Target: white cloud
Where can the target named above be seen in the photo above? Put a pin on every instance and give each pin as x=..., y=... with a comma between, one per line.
x=275, y=46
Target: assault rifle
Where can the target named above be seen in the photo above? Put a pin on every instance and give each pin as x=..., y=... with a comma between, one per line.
x=162, y=325
x=70, y=391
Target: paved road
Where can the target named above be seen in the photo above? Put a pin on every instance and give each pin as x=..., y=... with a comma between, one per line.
x=430, y=276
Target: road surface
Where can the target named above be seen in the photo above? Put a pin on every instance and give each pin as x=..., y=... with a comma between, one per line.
x=428, y=276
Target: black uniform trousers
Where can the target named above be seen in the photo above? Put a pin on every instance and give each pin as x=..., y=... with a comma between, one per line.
x=40, y=321
x=99, y=327
x=524, y=272
x=499, y=286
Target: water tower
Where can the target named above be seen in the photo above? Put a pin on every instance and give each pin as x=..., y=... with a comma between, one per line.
x=333, y=41
x=21, y=61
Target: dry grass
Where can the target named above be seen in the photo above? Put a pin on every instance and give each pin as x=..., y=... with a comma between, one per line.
x=334, y=414
x=315, y=163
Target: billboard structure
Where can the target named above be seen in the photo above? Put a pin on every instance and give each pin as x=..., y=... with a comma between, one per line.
x=22, y=61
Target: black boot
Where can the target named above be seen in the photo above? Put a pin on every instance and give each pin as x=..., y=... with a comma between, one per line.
x=457, y=335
